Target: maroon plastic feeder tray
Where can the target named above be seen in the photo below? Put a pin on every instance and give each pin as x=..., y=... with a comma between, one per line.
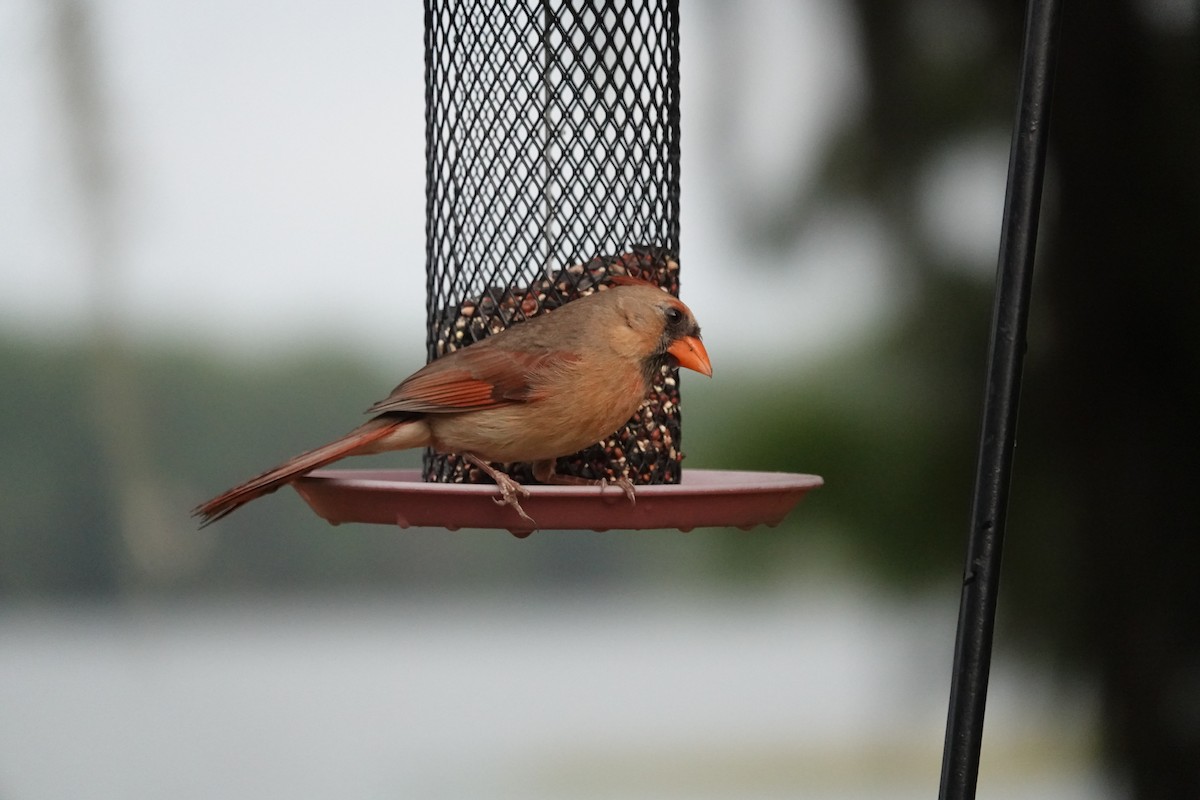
x=705, y=498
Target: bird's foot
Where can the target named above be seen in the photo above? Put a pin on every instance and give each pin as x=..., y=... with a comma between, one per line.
x=544, y=472
x=623, y=483
x=510, y=490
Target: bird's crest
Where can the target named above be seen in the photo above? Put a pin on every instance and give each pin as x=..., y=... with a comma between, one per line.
x=632, y=280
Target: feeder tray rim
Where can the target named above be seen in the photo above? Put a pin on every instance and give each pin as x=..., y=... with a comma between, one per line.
x=704, y=498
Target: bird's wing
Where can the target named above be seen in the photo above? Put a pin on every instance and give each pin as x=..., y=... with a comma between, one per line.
x=472, y=378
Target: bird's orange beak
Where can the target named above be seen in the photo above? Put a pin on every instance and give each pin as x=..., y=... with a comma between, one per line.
x=689, y=352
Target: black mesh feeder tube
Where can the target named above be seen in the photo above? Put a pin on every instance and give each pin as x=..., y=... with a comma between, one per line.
x=552, y=146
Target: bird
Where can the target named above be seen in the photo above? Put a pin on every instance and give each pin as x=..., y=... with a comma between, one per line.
x=540, y=389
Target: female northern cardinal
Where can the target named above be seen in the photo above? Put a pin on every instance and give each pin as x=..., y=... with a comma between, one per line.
x=541, y=389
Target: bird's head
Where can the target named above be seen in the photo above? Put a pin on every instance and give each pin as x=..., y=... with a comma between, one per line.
x=658, y=328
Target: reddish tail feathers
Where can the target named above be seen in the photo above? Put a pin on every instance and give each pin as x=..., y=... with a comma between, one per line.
x=352, y=443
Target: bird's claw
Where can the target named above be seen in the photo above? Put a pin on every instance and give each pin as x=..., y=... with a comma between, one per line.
x=510, y=492
x=623, y=483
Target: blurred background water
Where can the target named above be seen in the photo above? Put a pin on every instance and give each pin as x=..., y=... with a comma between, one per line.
x=211, y=256
x=823, y=692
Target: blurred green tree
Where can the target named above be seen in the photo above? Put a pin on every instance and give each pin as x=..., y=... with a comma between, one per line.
x=1103, y=537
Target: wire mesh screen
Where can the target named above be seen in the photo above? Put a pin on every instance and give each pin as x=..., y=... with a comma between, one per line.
x=552, y=147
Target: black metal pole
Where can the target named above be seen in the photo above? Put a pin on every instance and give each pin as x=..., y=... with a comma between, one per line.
x=1014, y=276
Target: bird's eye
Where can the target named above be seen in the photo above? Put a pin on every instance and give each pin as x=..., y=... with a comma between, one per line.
x=674, y=315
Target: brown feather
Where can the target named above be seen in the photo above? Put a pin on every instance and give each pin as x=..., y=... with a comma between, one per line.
x=480, y=376
x=357, y=441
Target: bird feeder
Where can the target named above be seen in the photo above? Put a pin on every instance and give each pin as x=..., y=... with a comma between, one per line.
x=552, y=147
